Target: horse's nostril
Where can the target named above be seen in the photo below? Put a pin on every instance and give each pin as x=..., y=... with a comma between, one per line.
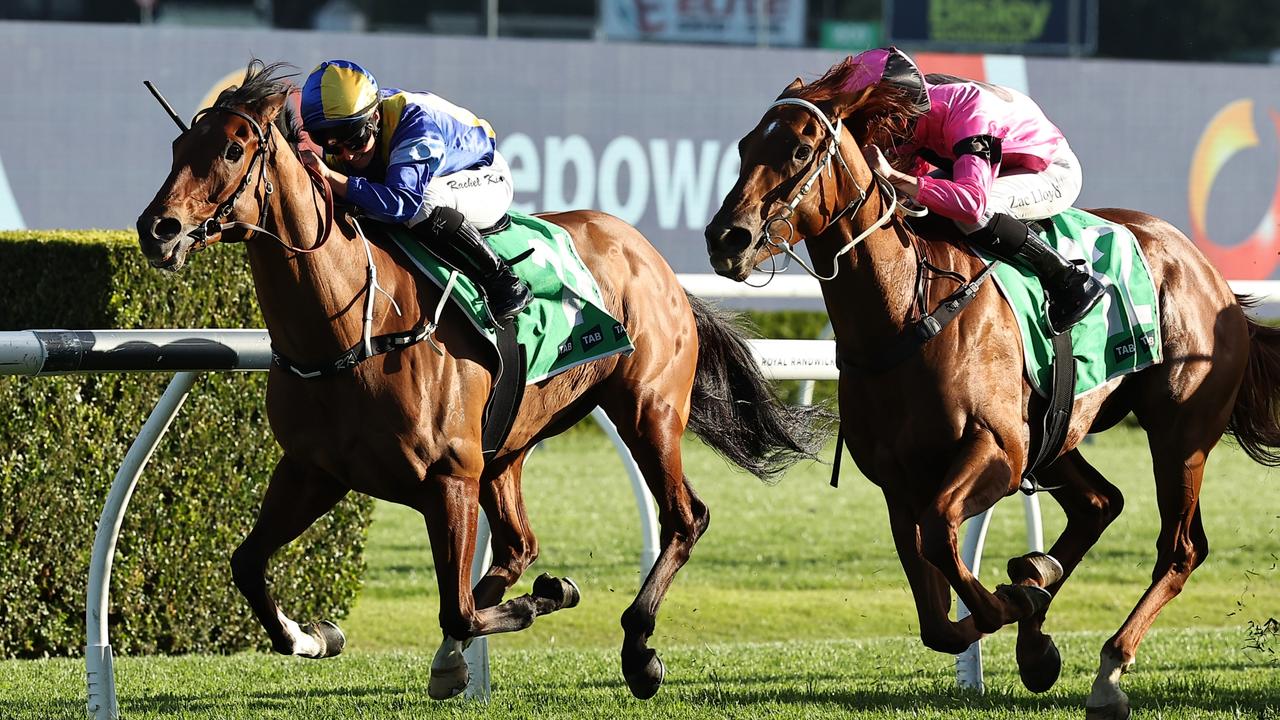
x=715, y=235
x=166, y=228
x=727, y=238
x=735, y=239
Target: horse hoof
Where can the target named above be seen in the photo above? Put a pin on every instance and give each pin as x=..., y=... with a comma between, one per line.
x=1041, y=568
x=329, y=636
x=1039, y=673
x=1030, y=600
x=448, y=682
x=572, y=593
x=562, y=591
x=645, y=683
x=1114, y=711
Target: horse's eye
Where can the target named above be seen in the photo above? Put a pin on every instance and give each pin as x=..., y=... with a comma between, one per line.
x=234, y=152
x=803, y=152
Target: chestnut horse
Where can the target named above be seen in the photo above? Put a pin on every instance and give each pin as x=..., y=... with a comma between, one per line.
x=945, y=433
x=405, y=426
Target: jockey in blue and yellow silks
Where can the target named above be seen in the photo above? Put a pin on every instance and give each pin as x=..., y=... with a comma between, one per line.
x=417, y=159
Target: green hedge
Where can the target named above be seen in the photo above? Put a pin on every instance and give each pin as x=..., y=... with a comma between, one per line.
x=62, y=440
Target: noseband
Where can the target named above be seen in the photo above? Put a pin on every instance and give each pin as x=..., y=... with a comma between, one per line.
x=783, y=217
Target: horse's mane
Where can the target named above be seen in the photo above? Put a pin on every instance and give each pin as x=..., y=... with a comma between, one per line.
x=881, y=115
x=261, y=81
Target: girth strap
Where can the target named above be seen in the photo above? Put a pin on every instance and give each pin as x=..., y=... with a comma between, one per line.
x=508, y=391
x=1057, y=417
x=356, y=354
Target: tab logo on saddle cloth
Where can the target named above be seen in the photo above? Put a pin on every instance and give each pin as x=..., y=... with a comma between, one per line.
x=1125, y=350
x=591, y=338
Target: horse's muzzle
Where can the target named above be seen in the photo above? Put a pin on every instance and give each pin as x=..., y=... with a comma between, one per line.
x=164, y=240
x=728, y=246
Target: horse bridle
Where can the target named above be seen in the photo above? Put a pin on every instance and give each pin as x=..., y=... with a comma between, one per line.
x=216, y=224
x=783, y=217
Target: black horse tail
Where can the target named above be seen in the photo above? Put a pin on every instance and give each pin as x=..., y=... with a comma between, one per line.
x=735, y=411
x=1254, y=420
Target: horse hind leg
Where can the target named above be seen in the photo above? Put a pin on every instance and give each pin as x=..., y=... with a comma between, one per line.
x=1090, y=504
x=1181, y=547
x=296, y=497
x=653, y=436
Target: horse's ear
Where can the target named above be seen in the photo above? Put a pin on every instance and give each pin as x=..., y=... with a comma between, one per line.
x=795, y=85
x=268, y=108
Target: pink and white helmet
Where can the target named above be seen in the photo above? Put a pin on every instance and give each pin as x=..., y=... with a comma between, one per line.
x=892, y=67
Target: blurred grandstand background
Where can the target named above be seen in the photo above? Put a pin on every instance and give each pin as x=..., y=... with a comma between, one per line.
x=634, y=107
x=1202, y=30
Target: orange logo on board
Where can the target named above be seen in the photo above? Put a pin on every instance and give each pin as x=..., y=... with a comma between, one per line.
x=1228, y=133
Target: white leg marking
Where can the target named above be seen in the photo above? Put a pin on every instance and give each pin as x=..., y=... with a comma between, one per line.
x=449, y=656
x=303, y=644
x=449, y=672
x=1106, y=686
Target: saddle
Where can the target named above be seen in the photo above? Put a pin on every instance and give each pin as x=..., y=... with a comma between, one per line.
x=566, y=324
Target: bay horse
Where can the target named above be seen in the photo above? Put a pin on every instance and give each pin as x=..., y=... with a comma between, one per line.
x=405, y=426
x=946, y=432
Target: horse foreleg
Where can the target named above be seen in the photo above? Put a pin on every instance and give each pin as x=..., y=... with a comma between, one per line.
x=1090, y=504
x=928, y=587
x=1181, y=547
x=515, y=548
x=296, y=497
x=451, y=509
x=980, y=475
x=450, y=506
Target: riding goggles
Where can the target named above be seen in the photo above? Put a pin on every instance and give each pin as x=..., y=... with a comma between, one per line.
x=333, y=140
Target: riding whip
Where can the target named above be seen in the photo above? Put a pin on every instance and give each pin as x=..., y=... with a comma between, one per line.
x=165, y=104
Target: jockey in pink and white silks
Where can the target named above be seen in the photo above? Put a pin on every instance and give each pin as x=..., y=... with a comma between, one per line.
x=416, y=159
x=987, y=158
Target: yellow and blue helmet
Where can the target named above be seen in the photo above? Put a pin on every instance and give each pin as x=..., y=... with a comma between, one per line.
x=338, y=94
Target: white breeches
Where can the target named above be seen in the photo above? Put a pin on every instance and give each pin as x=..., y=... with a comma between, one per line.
x=1028, y=195
x=482, y=194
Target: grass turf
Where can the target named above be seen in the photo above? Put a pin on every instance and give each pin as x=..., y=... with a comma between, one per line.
x=793, y=605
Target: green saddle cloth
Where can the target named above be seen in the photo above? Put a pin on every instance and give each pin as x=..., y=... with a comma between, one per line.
x=566, y=324
x=1120, y=335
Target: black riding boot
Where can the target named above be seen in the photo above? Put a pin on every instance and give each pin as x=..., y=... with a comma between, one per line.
x=1072, y=291
x=459, y=243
